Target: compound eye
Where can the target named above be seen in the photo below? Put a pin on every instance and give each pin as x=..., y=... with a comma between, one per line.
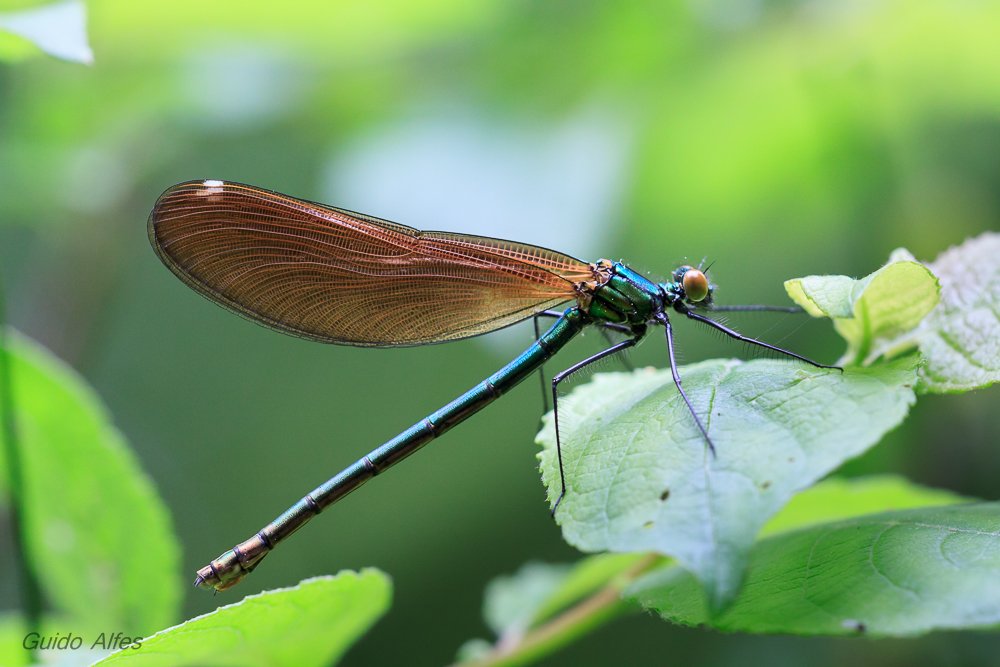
x=695, y=285
x=680, y=271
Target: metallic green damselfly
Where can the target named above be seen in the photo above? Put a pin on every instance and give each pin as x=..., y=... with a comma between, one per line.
x=335, y=276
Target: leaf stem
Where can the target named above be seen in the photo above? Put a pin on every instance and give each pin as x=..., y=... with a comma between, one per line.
x=605, y=605
x=30, y=590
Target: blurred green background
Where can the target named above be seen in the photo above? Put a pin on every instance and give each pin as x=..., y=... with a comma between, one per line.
x=778, y=138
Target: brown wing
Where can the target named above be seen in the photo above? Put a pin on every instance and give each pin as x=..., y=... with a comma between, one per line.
x=334, y=276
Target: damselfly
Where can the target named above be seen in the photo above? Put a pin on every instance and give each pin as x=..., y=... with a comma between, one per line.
x=334, y=276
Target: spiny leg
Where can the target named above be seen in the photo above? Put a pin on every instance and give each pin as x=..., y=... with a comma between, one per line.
x=555, y=403
x=604, y=327
x=738, y=336
x=677, y=379
x=605, y=331
x=770, y=309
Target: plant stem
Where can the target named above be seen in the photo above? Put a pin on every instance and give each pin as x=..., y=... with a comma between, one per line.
x=605, y=605
x=30, y=590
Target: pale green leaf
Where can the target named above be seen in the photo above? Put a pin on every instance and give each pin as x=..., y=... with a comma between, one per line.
x=640, y=476
x=308, y=625
x=873, y=312
x=473, y=649
x=897, y=573
x=828, y=296
x=59, y=29
x=961, y=338
x=100, y=536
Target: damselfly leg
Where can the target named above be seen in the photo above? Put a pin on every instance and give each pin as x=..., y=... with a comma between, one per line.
x=605, y=328
x=745, y=339
x=677, y=379
x=624, y=345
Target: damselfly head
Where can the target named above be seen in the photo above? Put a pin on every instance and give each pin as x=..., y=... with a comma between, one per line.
x=694, y=282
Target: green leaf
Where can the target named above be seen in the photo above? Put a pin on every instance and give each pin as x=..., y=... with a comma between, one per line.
x=836, y=498
x=640, y=476
x=871, y=313
x=828, y=500
x=99, y=534
x=311, y=624
x=961, y=337
x=17, y=645
x=897, y=573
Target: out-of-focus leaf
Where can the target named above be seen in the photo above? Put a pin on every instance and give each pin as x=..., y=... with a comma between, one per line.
x=348, y=31
x=775, y=130
x=892, y=574
x=538, y=590
x=524, y=601
x=311, y=624
x=473, y=649
x=871, y=313
x=640, y=476
x=19, y=647
x=59, y=29
x=512, y=602
x=586, y=576
x=961, y=337
x=100, y=536
x=12, y=652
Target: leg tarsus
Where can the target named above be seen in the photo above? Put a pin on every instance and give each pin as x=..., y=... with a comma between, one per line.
x=558, y=500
